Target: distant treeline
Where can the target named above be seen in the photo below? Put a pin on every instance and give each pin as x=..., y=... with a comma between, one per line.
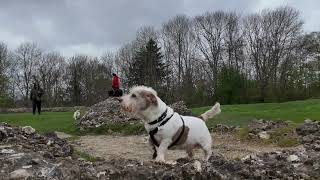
x=216, y=56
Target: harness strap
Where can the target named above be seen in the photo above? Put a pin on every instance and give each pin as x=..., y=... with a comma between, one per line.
x=154, y=131
x=181, y=134
x=153, y=139
x=163, y=115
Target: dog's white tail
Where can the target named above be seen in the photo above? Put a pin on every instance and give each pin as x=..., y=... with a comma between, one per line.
x=215, y=110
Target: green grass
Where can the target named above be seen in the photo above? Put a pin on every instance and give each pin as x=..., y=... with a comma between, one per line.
x=46, y=122
x=86, y=156
x=282, y=137
x=241, y=115
x=63, y=121
x=285, y=136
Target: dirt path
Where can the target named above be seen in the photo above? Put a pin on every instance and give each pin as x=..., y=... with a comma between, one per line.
x=135, y=147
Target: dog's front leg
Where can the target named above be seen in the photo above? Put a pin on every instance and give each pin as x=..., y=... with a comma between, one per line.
x=162, y=149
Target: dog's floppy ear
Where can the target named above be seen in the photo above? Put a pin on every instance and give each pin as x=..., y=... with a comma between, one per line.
x=150, y=97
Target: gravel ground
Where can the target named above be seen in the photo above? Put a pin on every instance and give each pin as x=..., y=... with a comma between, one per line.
x=136, y=147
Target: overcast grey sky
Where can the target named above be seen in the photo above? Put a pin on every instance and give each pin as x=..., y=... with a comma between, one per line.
x=96, y=26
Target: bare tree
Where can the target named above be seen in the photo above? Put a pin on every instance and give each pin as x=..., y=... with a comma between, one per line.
x=123, y=61
x=50, y=73
x=179, y=40
x=25, y=62
x=3, y=57
x=144, y=34
x=108, y=59
x=209, y=30
x=234, y=42
x=3, y=68
x=271, y=38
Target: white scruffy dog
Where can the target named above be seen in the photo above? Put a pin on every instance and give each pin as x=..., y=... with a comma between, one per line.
x=169, y=129
x=76, y=115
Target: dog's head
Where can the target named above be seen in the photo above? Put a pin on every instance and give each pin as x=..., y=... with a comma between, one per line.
x=139, y=99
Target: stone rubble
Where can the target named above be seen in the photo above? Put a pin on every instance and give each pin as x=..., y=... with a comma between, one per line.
x=181, y=108
x=221, y=128
x=109, y=111
x=264, y=125
x=309, y=133
x=262, y=129
x=35, y=156
x=28, y=130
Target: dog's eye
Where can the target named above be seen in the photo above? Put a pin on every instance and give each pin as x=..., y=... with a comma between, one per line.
x=133, y=95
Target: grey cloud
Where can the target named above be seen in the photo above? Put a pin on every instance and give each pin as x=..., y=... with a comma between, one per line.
x=94, y=26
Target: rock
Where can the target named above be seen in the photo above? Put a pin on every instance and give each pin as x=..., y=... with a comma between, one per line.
x=197, y=166
x=308, y=121
x=249, y=157
x=7, y=151
x=20, y=174
x=49, y=143
x=28, y=130
x=103, y=173
x=264, y=135
x=27, y=167
x=16, y=156
x=293, y=158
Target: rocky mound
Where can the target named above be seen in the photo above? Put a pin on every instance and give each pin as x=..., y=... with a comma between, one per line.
x=109, y=111
x=25, y=138
x=24, y=153
x=181, y=108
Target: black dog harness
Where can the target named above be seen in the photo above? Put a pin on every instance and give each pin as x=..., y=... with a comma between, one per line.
x=163, y=122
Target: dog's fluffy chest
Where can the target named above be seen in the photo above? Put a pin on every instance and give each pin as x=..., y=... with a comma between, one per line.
x=174, y=130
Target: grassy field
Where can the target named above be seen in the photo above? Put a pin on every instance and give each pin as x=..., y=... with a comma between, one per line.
x=295, y=111
x=46, y=122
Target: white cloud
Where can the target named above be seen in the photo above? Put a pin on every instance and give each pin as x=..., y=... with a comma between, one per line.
x=86, y=48
x=12, y=40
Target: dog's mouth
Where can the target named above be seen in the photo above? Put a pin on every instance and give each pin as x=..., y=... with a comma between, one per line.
x=126, y=108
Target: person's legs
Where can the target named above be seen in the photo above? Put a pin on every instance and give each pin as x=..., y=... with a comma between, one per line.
x=111, y=93
x=34, y=105
x=39, y=107
x=116, y=92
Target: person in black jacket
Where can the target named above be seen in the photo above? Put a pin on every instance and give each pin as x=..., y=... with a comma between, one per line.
x=35, y=97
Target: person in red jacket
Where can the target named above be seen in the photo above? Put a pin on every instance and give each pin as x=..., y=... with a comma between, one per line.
x=116, y=91
x=115, y=82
